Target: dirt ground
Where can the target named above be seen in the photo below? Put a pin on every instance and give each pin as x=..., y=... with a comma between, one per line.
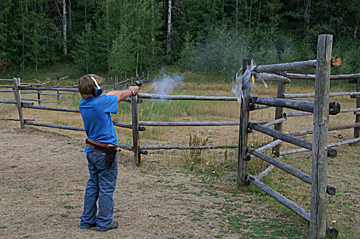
x=43, y=176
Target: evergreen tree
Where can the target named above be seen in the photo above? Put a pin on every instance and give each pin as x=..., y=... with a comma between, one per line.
x=125, y=37
x=136, y=46
x=6, y=33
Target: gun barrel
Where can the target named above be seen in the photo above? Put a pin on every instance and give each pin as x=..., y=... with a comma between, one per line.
x=140, y=82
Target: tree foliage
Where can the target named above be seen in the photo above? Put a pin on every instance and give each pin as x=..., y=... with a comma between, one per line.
x=124, y=37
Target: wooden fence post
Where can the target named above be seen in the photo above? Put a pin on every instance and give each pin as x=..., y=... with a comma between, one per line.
x=57, y=92
x=18, y=100
x=243, y=135
x=318, y=218
x=38, y=94
x=279, y=113
x=357, y=119
x=135, y=130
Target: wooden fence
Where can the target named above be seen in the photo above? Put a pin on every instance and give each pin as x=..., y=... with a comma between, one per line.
x=321, y=150
x=320, y=108
x=116, y=85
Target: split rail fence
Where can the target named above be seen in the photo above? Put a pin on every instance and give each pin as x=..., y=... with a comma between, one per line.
x=320, y=108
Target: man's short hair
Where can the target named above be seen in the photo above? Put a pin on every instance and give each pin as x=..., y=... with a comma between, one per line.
x=86, y=85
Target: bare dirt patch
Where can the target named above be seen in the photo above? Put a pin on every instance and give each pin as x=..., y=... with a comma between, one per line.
x=44, y=174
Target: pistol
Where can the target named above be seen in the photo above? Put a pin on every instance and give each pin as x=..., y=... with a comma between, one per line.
x=140, y=82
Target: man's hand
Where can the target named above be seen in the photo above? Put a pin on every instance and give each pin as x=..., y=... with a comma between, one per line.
x=135, y=89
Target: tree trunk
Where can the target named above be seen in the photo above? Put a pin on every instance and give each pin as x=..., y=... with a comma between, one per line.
x=357, y=25
x=250, y=13
x=70, y=23
x=137, y=62
x=237, y=13
x=259, y=16
x=108, y=34
x=223, y=10
x=307, y=17
x=64, y=29
x=153, y=26
x=168, y=48
x=23, y=36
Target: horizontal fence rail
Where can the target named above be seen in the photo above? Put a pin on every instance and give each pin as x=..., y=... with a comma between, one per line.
x=49, y=88
x=294, y=114
x=152, y=123
x=185, y=97
x=292, y=66
x=308, y=106
x=312, y=77
x=345, y=142
x=308, y=95
x=55, y=126
x=232, y=146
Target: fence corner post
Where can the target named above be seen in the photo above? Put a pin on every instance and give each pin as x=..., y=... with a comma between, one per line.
x=318, y=217
x=135, y=130
x=243, y=135
x=18, y=100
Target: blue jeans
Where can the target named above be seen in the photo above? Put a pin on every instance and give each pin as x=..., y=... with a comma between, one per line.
x=101, y=185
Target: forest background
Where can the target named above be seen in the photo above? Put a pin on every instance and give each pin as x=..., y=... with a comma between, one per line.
x=121, y=38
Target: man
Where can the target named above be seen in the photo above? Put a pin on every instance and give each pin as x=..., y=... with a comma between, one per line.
x=101, y=150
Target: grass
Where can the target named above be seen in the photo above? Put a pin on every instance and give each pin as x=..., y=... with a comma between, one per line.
x=217, y=168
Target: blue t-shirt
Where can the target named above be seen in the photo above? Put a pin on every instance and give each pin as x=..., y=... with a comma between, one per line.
x=98, y=125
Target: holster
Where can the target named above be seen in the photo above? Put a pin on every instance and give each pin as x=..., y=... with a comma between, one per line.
x=110, y=155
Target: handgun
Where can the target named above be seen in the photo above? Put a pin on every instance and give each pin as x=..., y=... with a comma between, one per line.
x=140, y=82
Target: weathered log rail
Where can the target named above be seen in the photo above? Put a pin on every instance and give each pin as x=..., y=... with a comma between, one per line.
x=311, y=95
x=308, y=106
x=298, y=65
x=295, y=114
x=312, y=77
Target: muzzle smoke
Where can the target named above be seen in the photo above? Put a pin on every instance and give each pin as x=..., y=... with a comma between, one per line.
x=166, y=84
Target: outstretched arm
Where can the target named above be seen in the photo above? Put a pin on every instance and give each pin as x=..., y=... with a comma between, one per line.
x=123, y=94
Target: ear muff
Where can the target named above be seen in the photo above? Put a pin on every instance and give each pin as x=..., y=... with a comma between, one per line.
x=97, y=90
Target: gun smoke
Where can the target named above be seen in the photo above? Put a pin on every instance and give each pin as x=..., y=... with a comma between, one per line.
x=166, y=84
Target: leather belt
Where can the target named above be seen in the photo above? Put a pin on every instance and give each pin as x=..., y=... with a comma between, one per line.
x=98, y=146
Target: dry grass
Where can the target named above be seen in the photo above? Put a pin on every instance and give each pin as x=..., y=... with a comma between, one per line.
x=174, y=193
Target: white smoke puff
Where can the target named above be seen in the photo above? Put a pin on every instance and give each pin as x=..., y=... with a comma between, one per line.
x=237, y=85
x=166, y=84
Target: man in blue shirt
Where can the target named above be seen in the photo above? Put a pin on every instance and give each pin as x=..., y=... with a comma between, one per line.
x=101, y=148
